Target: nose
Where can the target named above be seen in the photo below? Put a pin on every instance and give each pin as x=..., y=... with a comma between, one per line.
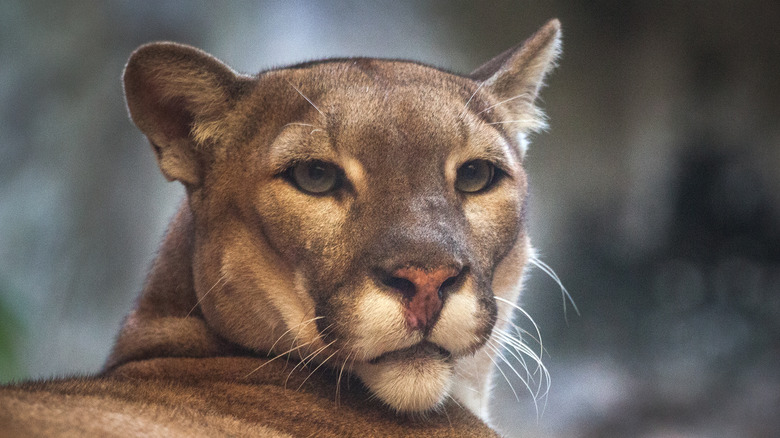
x=423, y=292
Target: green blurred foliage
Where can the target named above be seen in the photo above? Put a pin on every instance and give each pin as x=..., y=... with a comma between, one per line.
x=10, y=329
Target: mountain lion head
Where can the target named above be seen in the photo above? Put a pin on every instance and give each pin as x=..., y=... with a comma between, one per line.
x=363, y=214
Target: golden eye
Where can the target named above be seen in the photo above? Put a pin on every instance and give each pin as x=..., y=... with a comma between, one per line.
x=315, y=177
x=474, y=176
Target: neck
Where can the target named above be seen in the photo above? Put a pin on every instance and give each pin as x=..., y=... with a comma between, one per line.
x=167, y=320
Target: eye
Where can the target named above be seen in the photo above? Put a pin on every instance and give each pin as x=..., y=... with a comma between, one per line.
x=315, y=177
x=474, y=176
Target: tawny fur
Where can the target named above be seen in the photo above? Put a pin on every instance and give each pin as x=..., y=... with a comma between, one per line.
x=273, y=311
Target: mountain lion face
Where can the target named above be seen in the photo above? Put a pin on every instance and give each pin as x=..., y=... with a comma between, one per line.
x=363, y=214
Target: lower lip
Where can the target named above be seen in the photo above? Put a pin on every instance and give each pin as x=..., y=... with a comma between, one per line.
x=422, y=350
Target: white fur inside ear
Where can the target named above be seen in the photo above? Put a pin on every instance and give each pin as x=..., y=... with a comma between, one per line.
x=408, y=385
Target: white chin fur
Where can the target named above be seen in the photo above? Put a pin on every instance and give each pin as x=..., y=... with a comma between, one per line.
x=408, y=385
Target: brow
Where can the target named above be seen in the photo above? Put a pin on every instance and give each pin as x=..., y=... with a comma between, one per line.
x=299, y=142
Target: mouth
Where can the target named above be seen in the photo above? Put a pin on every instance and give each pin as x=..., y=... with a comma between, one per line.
x=422, y=350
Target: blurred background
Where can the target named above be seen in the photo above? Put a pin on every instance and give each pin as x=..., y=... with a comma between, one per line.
x=655, y=194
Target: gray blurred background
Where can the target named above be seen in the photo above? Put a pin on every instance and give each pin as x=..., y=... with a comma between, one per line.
x=655, y=194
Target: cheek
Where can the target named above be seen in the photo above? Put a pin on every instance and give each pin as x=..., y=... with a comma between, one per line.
x=495, y=222
x=306, y=230
x=247, y=293
x=508, y=277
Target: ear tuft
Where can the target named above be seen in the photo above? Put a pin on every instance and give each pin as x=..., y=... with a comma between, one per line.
x=178, y=96
x=516, y=76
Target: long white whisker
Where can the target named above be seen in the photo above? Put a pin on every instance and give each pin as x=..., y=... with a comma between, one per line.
x=520, y=309
x=300, y=124
x=511, y=121
x=523, y=349
x=304, y=362
x=465, y=107
x=308, y=100
x=518, y=340
x=503, y=102
x=297, y=326
x=204, y=295
x=298, y=347
x=564, y=292
x=501, y=371
x=318, y=367
x=517, y=345
x=525, y=381
x=520, y=331
x=338, y=381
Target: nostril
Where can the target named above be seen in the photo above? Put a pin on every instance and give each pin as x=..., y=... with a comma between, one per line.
x=424, y=291
x=402, y=285
x=450, y=281
x=430, y=282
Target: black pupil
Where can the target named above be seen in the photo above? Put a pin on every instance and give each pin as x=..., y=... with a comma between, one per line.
x=316, y=172
x=471, y=172
x=315, y=177
x=474, y=176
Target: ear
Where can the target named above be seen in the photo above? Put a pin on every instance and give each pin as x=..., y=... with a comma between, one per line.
x=179, y=96
x=516, y=76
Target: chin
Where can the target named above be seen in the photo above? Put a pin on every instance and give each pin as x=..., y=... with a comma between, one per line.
x=413, y=380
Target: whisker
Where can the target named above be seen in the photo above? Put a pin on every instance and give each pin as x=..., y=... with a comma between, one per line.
x=501, y=371
x=503, y=102
x=319, y=336
x=518, y=343
x=465, y=107
x=523, y=349
x=318, y=367
x=518, y=346
x=298, y=326
x=338, y=381
x=280, y=355
x=545, y=381
x=444, y=410
x=305, y=361
x=308, y=100
x=525, y=381
x=298, y=334
x=521, y=334
x=204, y=295
x=300, y=124
x=551, y=273
x=520, y=309
x=520, y=331
x=528, y=120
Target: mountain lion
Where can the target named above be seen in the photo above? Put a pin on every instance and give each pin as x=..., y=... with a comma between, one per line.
x=345, y=263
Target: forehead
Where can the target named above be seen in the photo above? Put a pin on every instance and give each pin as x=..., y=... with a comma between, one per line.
x=384, y=114
x=397, y=109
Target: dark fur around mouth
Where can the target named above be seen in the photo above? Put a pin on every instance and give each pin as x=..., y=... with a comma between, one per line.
x=421, y=350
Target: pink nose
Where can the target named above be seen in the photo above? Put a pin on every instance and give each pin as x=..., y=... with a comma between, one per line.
x=426, y=302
